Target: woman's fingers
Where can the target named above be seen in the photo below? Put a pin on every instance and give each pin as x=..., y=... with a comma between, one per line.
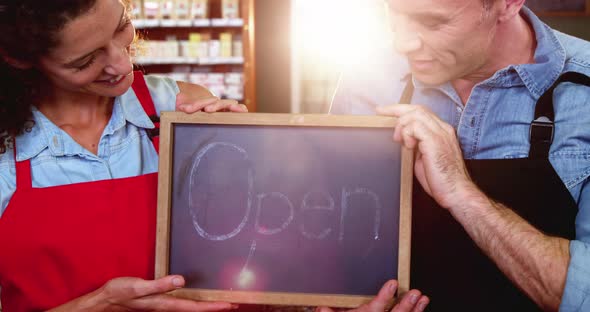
x=209, y=105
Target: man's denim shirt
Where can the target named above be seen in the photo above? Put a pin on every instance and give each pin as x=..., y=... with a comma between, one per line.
x=124, y=149
x=495, y=122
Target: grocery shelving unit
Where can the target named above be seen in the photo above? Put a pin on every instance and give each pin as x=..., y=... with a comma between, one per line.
x=175, y=33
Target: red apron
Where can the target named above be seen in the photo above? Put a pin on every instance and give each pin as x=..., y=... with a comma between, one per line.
x=59, y=243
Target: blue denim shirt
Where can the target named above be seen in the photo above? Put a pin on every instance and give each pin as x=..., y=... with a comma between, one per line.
x=495, y=122
x=124, y=149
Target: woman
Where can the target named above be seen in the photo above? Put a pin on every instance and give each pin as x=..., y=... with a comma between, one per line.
x=77, y=163
x=78, y=205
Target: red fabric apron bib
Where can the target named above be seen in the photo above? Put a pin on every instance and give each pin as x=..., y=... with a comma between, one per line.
x=59, y=243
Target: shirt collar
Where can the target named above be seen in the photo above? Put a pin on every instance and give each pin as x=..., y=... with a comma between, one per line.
x=132, y=110
x=33, y=141
x=549, y=63
x=45, y=134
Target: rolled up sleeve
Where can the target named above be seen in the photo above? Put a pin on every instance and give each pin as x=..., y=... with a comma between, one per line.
x=576, y=296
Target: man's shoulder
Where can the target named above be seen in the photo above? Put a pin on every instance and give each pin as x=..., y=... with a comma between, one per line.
x=577, y=52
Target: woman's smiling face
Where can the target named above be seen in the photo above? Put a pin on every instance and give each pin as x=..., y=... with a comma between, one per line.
x=93, y=53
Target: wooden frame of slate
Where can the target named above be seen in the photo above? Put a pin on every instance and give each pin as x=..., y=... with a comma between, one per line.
x=311, y=281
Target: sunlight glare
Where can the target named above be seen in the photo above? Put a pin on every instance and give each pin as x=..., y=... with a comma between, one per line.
x=339, y=32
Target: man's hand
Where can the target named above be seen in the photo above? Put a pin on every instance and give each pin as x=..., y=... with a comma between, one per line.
x=439, y=166
x=135, y=294
x=412, y=301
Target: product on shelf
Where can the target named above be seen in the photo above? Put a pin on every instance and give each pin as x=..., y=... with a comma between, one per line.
x=226, y=44
x=193, y=56
x=137, y=9
x=203, y=46
x=214, y=48
x=234, y=78
x=151, y=9
x=183, y=9
x=228, y=85
x=167, y=9
x=234, y=92
x=237, y=47
x=198, y=78
x=230, y=9
x=200, y=9
x=193, y=45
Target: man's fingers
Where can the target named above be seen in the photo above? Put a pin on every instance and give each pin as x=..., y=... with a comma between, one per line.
x=417, y=124
x=422, y=304
x=414, y=132
x=395, y=110
x=408, y=139
x=424, y=117
x=408, y=302
x=384, y=298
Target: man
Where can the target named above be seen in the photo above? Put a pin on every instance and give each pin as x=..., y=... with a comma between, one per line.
x=513, y=233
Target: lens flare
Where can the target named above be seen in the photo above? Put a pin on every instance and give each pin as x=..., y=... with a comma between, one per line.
x=245, y=278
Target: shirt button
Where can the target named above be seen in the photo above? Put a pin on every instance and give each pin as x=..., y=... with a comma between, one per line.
x=55, y=141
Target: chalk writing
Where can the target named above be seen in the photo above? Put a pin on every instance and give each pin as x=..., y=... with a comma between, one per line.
x=285, y=224
x=194, y=171
x=345, y=205
x=306, y=205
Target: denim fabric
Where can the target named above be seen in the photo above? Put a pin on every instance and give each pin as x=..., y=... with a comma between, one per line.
x=124, y=149
x=495, y=122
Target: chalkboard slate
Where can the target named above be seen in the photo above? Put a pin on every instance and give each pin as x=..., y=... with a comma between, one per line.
x=557, y=5
x=260, y=208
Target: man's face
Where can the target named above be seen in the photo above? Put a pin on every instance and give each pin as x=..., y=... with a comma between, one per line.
x=443, y=39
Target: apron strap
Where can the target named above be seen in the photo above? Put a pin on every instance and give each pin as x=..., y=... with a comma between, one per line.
x=143, y=94
x=543, y=126
x=23, y=172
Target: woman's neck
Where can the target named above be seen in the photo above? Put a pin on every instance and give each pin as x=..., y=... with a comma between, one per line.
x=77, y=109
x=83, y=117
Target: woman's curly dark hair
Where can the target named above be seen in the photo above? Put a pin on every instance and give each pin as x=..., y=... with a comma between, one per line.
x=29, y=30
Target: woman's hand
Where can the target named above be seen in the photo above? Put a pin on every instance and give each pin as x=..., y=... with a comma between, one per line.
x=194, y=98
x=412, y=301
x=135, y=294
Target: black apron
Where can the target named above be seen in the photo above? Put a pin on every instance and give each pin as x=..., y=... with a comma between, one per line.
x=447, y=265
